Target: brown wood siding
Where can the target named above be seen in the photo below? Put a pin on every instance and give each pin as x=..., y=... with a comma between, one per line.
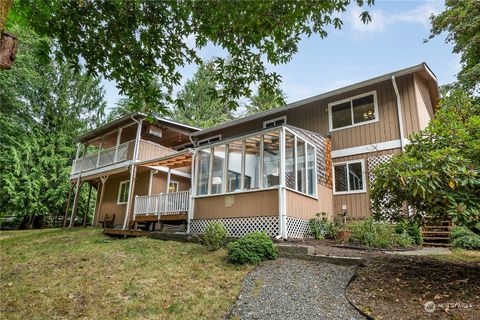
x=301, y=206
x=110, y=197
x=159, y=184
x=424, y=103
x=313, y=116
x=358, y=204
x=249, y=204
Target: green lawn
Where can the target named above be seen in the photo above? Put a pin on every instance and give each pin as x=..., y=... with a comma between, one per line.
x=80, y=273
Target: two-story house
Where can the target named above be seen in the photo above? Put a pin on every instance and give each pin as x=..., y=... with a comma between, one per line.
x=270, y=171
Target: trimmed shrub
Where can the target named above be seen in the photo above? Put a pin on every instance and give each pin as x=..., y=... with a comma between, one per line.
x=464, y=238
x=321, y=228
x=215, y=235
x=378, y=235
x=252, y=248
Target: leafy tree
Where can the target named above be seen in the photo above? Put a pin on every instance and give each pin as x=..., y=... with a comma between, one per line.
x=198, y=105
x=265, y=100
x=132, y=42
x=438, y=175
x=461, y=21
x=42, y=108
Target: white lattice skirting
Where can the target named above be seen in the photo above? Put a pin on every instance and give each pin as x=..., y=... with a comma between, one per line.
x=297, y=228
x=237, y=227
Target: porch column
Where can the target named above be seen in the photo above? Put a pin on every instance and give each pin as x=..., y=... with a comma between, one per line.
x=169, y=175
x=119, y=135
x=103, y=180
x=99, y=152
x=133, y=174
x=77, y=190
x=87, y=206
x=191, y=206
x=282, y=194
x=68, y=204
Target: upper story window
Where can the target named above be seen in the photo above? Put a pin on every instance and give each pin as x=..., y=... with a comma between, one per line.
x=210, y=140
x=349, y=177
x=275, y=122
x=354, y=111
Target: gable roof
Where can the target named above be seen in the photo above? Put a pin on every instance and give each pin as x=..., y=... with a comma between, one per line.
x=416, y=68
x=112, y=125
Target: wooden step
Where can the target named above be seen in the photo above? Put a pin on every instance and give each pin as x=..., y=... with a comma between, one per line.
x=435, y=244
x=436, y=238
x=438, y=227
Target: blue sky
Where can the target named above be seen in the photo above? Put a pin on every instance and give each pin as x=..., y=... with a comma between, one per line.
x=393, y=40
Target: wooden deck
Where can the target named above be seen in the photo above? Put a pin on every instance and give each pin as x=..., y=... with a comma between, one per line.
x=125, y=233
x=154, y=218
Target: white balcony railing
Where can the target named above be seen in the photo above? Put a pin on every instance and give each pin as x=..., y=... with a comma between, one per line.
x=105, y=158
x=162, y=204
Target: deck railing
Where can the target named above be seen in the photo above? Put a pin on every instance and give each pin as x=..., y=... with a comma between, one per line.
x=162, y=204
x=147, y=150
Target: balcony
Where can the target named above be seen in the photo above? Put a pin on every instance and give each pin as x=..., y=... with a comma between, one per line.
x=121, y=153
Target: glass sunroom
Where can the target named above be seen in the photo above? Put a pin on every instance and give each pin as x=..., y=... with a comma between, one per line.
x=260, y=181
x=264, y=160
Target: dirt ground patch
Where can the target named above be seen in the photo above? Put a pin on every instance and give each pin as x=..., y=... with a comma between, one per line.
x=393, y=286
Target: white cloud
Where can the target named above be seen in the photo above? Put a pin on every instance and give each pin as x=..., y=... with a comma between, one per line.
x=382, y=19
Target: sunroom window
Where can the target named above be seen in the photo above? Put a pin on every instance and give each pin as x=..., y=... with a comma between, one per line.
x=255, y=163
x=349, y=177
x=353, y=111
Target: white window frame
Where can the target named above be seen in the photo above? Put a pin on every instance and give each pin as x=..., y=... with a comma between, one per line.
x=219, y=136
x=364, y=184
x=284, y=118
x=120, y=191
x=176, y=183
x=350, y=99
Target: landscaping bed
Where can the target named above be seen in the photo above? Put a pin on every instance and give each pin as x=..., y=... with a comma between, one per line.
x=81, y=273
x=394, y=286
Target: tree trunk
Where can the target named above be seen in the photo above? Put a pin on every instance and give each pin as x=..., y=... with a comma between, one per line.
x=5, y=6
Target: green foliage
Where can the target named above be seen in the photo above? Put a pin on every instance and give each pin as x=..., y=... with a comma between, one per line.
x=42, y=108
x=265, y=100
x=412, y=229
x=464, y=238
x=378, y=235
x=132, y=42
x=215, y=236
x=460, y=21
x=252, y=248
x=438, y=174
x=197, y=104
x=321, y=228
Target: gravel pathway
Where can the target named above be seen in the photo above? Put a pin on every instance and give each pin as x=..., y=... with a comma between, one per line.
x=295, y=289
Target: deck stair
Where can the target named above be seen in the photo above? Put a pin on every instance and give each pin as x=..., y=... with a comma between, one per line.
x=437, y=235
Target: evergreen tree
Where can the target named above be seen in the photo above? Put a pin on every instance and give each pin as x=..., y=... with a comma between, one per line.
x=42, y=108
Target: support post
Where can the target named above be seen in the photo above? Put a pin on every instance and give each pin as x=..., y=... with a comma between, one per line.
x=119, y=135
x=133, y=173
x=87, y=207
x=191, y=206
x=103, y=179
x=281, y=189
x=68, y=204
x=169, y=175
x=99, y=152
x=75, y=202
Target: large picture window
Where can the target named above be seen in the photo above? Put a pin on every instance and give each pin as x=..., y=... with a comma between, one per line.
x=271, y=159
x=123, y=192
x=290, y=160
x=217, y=169
x=301, y=166
x=358, y=110
x=203, y=171
x=311, y=179
x=252, y=163
x=349, y=177
x=234, y=169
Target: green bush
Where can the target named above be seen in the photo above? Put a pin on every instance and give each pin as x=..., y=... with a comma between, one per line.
x=215, y=235
x=321, y=228
x=252, y=248
x=463, y=238
x=378, y=235
x=412, y=229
